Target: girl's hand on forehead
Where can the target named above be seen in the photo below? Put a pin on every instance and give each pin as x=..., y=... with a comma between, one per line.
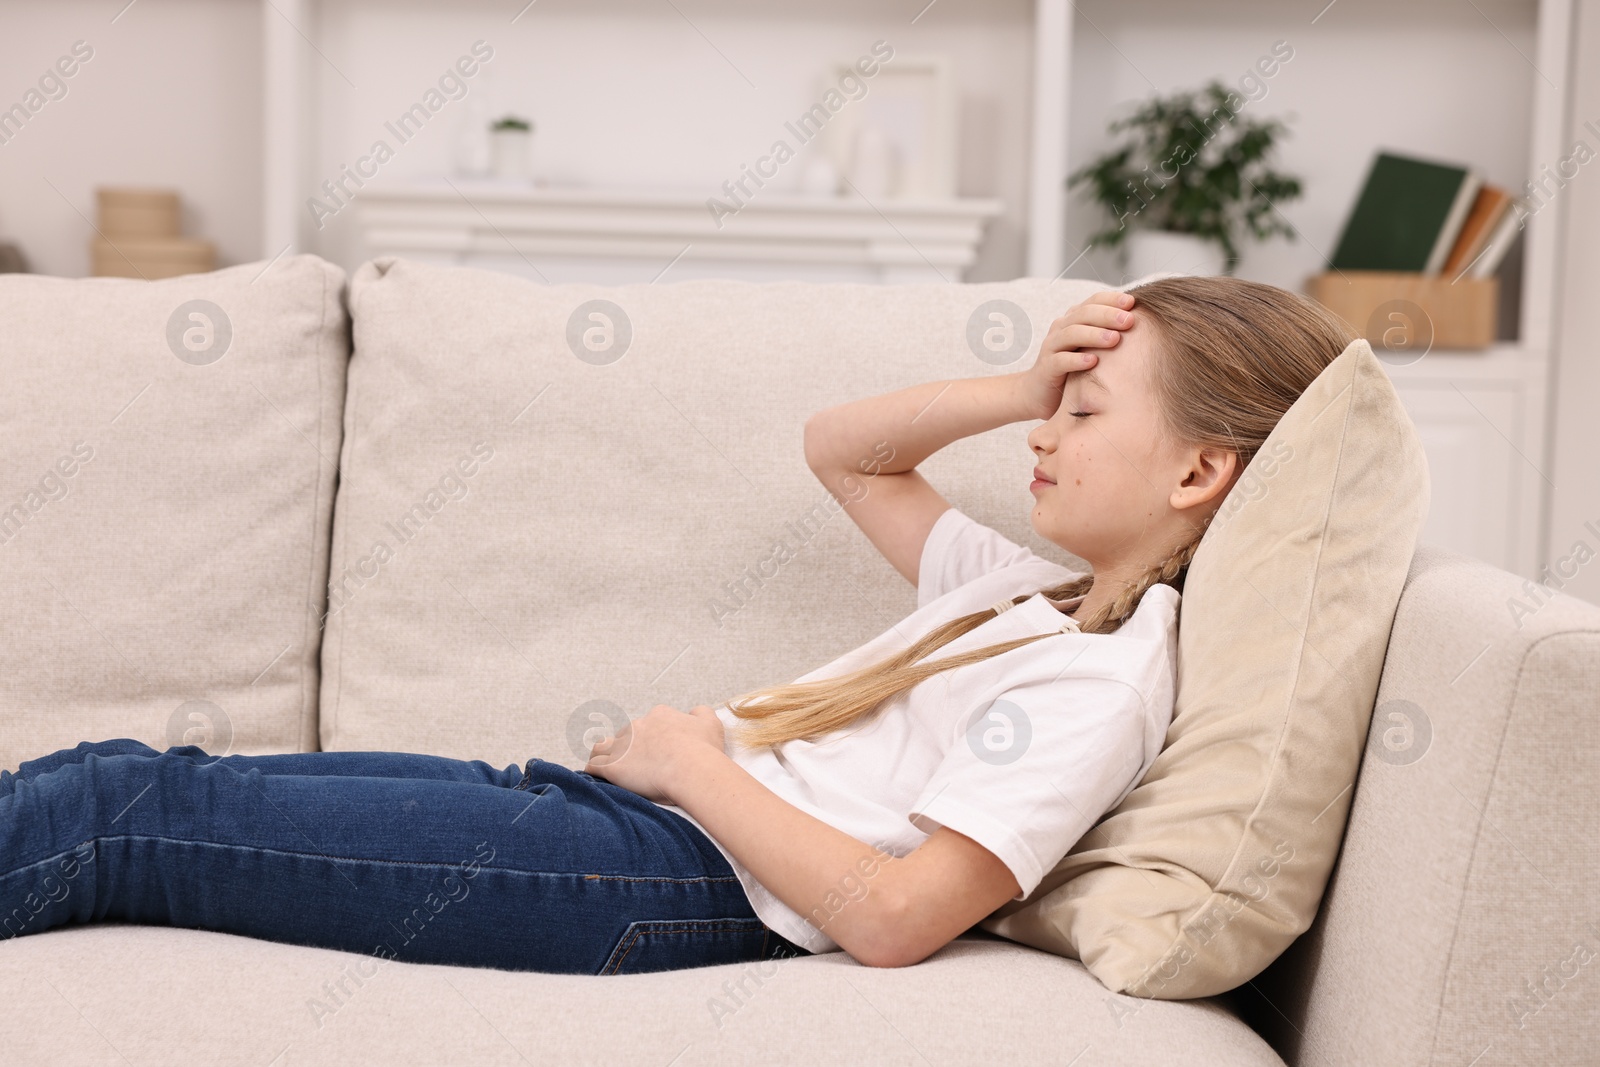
x=1071, y=346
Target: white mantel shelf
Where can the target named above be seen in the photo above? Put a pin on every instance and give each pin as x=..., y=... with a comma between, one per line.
x=613, y=233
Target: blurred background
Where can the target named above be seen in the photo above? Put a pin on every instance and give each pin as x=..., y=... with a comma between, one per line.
x=884, y=141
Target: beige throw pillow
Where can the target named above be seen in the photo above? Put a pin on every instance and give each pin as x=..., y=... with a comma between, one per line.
x=1218, y=859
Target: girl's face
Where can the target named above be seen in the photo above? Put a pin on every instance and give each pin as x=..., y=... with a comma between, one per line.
x=1124, y=496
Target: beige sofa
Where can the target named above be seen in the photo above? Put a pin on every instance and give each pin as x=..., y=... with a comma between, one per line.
x=645, y=532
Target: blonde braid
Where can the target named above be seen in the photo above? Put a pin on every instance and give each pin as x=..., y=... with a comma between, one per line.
x=1115, y=613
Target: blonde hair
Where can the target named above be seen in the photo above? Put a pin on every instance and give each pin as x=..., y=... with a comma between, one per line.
x=1233, y=355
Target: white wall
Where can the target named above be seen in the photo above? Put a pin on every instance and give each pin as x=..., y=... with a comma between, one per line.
x=1435, y=78
x=171, y=97
x=1575, y=464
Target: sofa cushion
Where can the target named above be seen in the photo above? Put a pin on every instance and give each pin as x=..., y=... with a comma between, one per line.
x=240, y=1000
x=167, y=485
x=537, y=534
x=1217, y=859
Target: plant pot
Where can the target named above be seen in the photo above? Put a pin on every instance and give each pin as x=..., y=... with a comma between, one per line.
x=1158, y=251
x=509, y=154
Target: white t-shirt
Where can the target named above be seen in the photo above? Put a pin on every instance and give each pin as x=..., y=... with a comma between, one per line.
x=1022, y=752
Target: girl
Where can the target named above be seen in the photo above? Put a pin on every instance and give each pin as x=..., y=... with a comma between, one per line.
x=882, y=804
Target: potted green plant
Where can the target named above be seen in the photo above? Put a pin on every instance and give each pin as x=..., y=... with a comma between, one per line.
x=510, y=137
x=1191, y=176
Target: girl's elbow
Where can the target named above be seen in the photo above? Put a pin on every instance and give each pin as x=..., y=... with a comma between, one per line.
x=896, y=955
x=889, y=939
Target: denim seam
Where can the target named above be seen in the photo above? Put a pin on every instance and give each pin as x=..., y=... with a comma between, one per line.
x=631, y=938
x=650, y=878
x=40, y=863
x=384, y=863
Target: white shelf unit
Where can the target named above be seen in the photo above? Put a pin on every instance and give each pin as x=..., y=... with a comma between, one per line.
x=604, y=235
x=1482, y=415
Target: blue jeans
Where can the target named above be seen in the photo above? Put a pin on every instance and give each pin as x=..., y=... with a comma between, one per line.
x=399, y=855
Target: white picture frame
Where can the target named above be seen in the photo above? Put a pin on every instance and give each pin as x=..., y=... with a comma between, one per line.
x=911, y=99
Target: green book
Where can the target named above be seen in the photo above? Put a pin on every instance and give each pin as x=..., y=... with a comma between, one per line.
x=1408, y=215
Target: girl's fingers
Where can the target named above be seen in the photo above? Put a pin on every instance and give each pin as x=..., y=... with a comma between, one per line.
x=1080, y=360
x=1111, y=298
x=1107, y=310
x=1061, y=364
x=1102, y=315
x=1080, y=336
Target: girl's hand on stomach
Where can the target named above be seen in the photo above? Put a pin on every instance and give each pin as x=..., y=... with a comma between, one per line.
x=1098, y=322
x=643, y=755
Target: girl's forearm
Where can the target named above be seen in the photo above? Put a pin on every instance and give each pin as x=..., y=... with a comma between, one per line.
x=830, y=879
x=916, y=422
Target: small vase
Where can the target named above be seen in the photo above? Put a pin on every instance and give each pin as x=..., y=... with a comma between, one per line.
x=820, y=178
x=472, y=139
x=1159, y=251
x=873, y=165
x=509, y=154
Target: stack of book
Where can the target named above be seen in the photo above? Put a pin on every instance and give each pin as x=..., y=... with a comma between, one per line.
x=1427, y=238
x=139, y=237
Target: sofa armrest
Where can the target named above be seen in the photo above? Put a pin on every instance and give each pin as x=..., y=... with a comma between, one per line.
x=1461, y=923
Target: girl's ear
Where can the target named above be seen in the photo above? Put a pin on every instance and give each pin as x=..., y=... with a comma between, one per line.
x=1209, y=475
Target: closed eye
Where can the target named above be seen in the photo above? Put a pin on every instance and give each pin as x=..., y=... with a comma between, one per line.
x=1079, y=414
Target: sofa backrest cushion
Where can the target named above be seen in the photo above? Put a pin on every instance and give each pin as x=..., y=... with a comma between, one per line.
x=562, y=505
x=167, y=481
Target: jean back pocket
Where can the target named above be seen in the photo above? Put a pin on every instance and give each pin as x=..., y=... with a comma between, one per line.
x=673, y=944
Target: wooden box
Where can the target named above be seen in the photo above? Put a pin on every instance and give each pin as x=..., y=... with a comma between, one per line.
x=151, y=258
x=138, y=212
x=1408, y=311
